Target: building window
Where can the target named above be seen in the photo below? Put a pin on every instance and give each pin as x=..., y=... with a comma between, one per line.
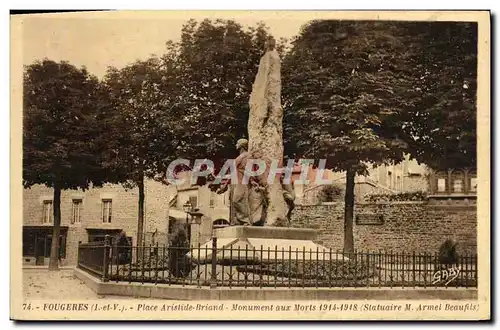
x=473, y=184
x=212, y=199
x=458, y=186
x=220, y=223
x=29, y=243
x=441, y=185
x=76, y=211
x=47, y=212
x=106, y=210
x=194, y=201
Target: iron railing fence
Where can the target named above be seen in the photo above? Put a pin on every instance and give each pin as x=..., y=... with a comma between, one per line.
x=247, y=266
x=91, y=258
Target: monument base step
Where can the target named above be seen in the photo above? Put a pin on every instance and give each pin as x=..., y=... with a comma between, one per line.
x=261, y=244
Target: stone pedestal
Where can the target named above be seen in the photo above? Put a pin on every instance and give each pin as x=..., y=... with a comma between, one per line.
x=195, y=234
x=265, y=244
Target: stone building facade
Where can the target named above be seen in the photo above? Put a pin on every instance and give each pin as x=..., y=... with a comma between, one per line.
x=214, y=207
x=406, y=176
x=88, y=216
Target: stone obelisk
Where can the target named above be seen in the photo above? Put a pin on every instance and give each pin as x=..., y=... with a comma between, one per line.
x=265, y=126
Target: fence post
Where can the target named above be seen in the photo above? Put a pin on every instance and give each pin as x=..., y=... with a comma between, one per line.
x=105, y=269
x=213, y=275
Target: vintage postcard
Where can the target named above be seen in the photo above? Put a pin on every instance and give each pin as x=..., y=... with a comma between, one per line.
x=250, y=165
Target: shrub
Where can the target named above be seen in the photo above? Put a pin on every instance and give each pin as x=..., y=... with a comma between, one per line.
x=448, y=254
x=334, y=270
x=400, y=197
x=329, y=193
x=179, y=263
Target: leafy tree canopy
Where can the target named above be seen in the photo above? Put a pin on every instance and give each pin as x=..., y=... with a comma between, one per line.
x=440, y=127
x=371, y=90
x=61, y=131
x=216, y=64
x=141, y=126
x=343, y=87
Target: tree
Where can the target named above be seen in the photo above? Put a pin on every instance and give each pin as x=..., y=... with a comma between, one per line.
x=141, y=128
x=440, y=126
x=190, y=103
x=61, y=133
x=216, y=65
x=345, y=81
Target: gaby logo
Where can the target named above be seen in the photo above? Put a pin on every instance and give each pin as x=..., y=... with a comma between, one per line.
x=244, y=171
x=446, y=275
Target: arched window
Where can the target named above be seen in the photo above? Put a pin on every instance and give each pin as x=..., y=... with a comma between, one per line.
x=220, y=223
x=472, y=182
x=441, y=182
x=457, y=182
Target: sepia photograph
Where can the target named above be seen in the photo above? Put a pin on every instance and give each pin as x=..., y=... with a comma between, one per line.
x=250, y=165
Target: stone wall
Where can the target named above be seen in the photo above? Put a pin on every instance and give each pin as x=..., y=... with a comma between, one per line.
x=406, y=227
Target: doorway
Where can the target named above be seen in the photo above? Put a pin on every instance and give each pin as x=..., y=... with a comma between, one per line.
x=37, y=243
x=40, y=250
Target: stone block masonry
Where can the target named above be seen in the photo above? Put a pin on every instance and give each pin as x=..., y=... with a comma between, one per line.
x=404, y=226
x=124, y=212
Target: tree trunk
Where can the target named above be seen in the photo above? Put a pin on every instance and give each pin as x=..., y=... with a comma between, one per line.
x=140, y=217
x=54, y=249
x=349, y=212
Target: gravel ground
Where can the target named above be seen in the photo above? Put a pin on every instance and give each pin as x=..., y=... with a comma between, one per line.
x=61, y=285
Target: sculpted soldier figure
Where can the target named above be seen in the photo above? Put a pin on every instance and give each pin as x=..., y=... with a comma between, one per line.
x=248, y=200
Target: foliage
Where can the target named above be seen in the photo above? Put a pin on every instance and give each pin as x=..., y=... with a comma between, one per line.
x=448, y=254
x=142, y=126
x=179, y=263
x=61, y=131
x=399, y=197
x=389, y=86
x=151, y=263
x=344, y=81
x=329, y=193
x=215, y=66
x=440, y=123
x=334, y=270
